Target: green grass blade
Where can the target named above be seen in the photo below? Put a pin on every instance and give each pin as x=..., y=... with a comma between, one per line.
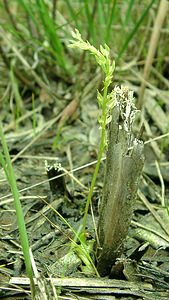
x=111, y=15
x=51, y=32
x=91, y=30
x=72, y=13
x=18, y=208
x=101, y=19
x=29, y=10
x=128, y=14
x=4, y=166
x=81, y=249
x=135, y=29
x=38, y=12
x=101, y=13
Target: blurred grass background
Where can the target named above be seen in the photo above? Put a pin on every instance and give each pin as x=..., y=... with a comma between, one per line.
x=35, y=35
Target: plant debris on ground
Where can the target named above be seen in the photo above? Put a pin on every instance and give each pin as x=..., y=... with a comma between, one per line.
x=49, y=115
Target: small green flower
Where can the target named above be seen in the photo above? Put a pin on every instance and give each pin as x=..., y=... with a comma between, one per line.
x=106, y=100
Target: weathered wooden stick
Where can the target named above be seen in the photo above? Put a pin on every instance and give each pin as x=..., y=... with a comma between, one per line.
x=123, y=168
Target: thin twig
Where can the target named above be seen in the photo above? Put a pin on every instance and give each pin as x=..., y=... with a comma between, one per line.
x=161, y=15
x=154, y=213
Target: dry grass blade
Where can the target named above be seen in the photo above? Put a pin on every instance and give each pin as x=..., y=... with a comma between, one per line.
x=161, y=15
x=154, y=213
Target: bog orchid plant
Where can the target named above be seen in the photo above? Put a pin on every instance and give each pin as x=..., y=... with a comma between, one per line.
x=106, y=101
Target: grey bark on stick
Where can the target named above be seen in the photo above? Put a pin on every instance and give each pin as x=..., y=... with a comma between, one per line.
x=124, y=165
